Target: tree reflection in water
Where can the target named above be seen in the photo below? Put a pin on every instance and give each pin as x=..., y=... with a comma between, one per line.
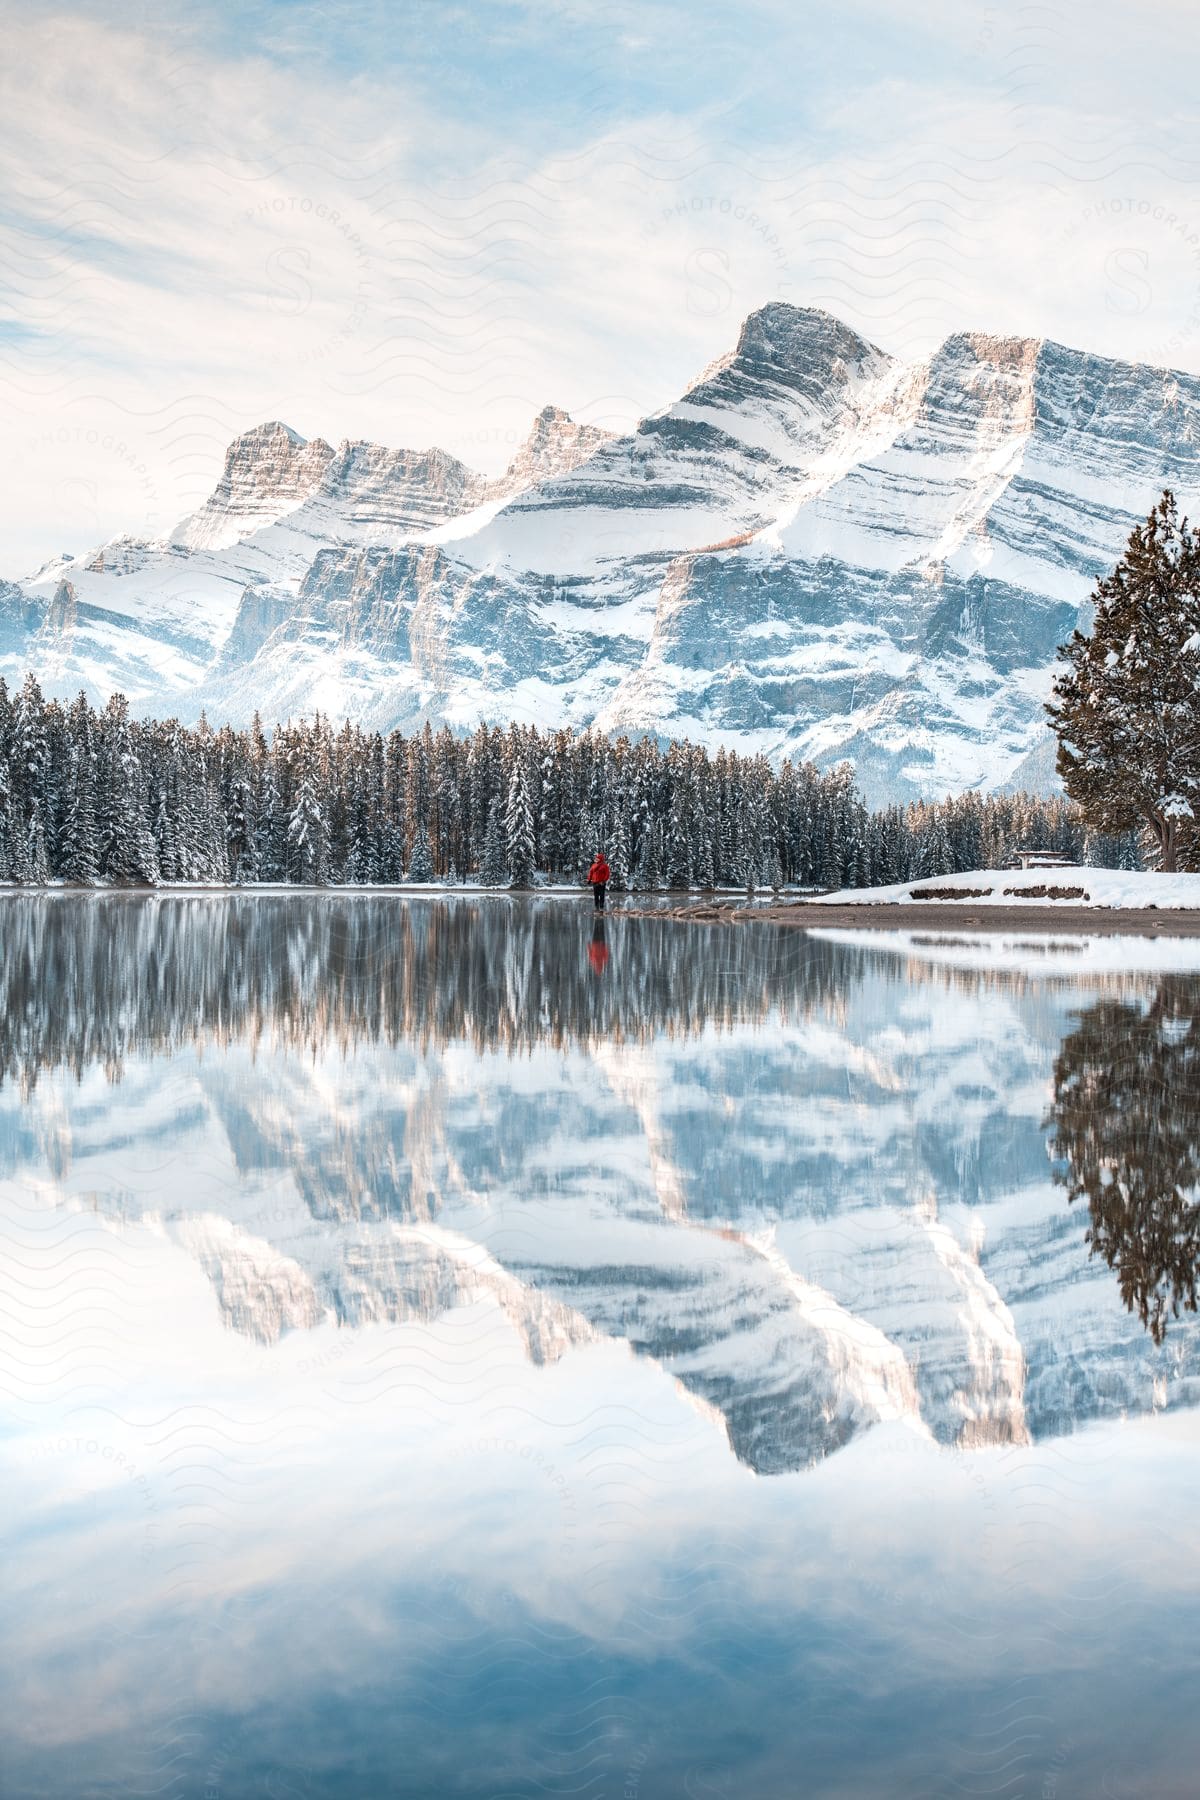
x=96, y=978
x=1126, y=1121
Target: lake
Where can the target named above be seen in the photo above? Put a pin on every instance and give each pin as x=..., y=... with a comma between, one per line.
x=450, y=1348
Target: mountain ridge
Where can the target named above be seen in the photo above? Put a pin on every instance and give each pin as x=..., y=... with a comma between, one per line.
x=819, y=550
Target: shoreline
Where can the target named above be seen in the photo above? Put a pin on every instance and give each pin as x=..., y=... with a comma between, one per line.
x=945, y=915
x=720, y=908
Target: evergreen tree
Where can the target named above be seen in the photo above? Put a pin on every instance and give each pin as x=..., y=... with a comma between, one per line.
x=270, y=848
x=126, y=840
x=1126, y=706
x=241, y=836
x=79, y=857
x=493, y=870
x=936, y=855
x=80, y=860
x=420, y=865
x=164, y=838
x=38, y=862
x=518, y=827
x=677, y=849
x=618, y=852
x=648, y=872
x=6, y=855
x=308, y=835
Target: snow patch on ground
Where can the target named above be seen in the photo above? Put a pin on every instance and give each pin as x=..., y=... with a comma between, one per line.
x=1108, y=888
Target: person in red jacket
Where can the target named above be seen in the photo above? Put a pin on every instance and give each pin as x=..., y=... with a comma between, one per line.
x=598, y=876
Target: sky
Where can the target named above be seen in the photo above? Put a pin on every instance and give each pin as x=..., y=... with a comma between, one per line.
x=420, y=223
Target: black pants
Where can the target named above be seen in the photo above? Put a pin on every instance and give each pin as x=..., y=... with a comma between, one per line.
x=598, y=888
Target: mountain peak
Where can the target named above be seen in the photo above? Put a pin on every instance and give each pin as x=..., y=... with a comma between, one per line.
x=556, y=445
x=269, y=470
x=800, y=335
x=268, y=431
x=780, y=345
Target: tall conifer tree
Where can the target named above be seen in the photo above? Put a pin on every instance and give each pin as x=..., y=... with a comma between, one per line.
x=1126, y=705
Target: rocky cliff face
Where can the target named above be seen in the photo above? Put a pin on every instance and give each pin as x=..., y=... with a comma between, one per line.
x=362, y=492
x=268, y=473
x=816, y=551
x=556, y=445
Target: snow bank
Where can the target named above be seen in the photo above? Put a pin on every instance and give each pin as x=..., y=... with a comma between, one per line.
x=1063, y=955
x=1113, y=888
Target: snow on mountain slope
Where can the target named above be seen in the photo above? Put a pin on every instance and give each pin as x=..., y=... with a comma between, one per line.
x=159, y=621
x=720, y=463
x=907, y=613
x=816, y=551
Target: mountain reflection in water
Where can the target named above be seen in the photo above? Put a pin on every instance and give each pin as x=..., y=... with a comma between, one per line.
x=809, y=1179
x=405, y=1298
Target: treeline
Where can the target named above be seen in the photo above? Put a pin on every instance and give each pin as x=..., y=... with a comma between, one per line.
x=92, y=795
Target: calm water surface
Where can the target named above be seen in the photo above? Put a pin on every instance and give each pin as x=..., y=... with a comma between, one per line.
x=449, y=1351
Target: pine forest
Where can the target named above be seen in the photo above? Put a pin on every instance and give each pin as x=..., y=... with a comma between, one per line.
x=91, y=796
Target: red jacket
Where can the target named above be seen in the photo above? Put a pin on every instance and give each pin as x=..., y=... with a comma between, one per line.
x=599, y=871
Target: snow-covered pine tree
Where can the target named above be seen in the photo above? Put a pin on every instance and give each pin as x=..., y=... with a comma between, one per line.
x=449, y=813
x=518, y=826
x=38, y=861
x=420, y=862
x=308, y=835
x=6, y=857
x=18, y=837
x=373, y=805
x=126, y=841
x=341, y=799
x=493, y=870
x=79, y=851
x=936, y=855
x=241, y=836
x=417, y=789
x=164, y=837
x=752, y=841
x=648, y=870
x=677, y=847
x=80, y=862
x=216, y=849
x=618, y=850
x=553, y=813
x=391, y=818
x=271, y=845
x=29, y=777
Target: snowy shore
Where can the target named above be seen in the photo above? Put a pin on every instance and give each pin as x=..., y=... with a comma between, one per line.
x=1077, y=885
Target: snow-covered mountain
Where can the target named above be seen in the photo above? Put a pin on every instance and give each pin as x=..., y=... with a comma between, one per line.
x=813, y=1187
x=818, y=550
